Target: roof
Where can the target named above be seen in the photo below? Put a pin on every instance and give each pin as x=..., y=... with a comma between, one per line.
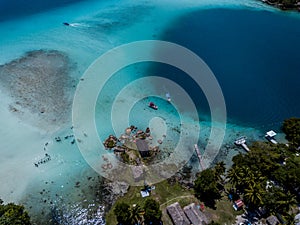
x=195, y=215
x=142, y=145
x=271, y=133
x=272, y=220
x=239, y=203
x=177, y=215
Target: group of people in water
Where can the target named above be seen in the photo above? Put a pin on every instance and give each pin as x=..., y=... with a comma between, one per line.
x=43, y=160
x=47, y=157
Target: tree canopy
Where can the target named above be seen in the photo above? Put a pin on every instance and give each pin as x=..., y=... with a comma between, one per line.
x=152, y=212
x=207, y=188
x=13, y=214
x=267, y=176
x=291, y=128
x=127, y=215
x=122, y=212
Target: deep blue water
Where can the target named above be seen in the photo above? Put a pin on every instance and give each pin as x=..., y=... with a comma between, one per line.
x=17, y=8
x=255, y=55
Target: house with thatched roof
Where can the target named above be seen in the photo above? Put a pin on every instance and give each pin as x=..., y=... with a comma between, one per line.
x=143, y=147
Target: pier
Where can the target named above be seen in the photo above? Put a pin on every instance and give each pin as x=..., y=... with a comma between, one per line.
x=270, y=137
x=241, y=141
x=199, y=157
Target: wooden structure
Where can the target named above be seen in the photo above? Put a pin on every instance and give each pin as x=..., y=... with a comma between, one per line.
x=199, y=157
x=195, y=215
x=241, y=141
x=270, y=136
x=177, y=214
x=143, y=147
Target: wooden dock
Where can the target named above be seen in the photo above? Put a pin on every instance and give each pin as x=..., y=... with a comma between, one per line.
x=241, y=141
x=199, y=157
x=270, y=136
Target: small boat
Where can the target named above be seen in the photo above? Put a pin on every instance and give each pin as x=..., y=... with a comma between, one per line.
x=168, y=97
x=153, y=106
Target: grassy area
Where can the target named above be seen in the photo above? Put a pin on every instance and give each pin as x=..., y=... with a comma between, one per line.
x=167, y=194
x=164, y=192
x=224, y=212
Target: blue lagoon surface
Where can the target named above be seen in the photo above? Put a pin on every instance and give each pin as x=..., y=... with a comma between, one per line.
x=253, y=51
x=253, y=54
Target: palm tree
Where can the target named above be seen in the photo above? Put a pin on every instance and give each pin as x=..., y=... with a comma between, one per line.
x=285, y=201
x=233, y=176
x=220, y=170
x=135, y=216
x=253, y=195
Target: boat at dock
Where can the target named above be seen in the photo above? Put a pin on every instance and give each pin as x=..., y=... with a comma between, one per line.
x=241, y=141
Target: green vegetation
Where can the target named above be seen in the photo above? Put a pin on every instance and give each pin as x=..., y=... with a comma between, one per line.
x=206, y=187
x=13, y=214
x=291, y=127
x=152, y=212
x=127, y=215
x=268, y=176
x=164, y=192
x=209, y=184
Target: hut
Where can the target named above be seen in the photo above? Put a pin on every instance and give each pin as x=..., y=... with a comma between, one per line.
x=270, y=136
x=238, y=204
x=272, y=220
x=142, y=147
x=195, y=215
x=177, y=215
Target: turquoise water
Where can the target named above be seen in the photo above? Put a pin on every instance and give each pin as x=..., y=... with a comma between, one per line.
x=254, y=55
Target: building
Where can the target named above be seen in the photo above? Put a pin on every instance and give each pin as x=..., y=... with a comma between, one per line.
x=238, y=204
x=177, y=214
x=195, y=216
x=143, y=147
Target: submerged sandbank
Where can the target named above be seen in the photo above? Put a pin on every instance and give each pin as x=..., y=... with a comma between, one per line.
x=41, y=88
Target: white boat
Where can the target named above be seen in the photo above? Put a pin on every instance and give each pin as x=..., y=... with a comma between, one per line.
x=168, y=97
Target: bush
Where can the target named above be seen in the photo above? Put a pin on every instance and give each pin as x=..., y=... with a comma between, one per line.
x=12, y=214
